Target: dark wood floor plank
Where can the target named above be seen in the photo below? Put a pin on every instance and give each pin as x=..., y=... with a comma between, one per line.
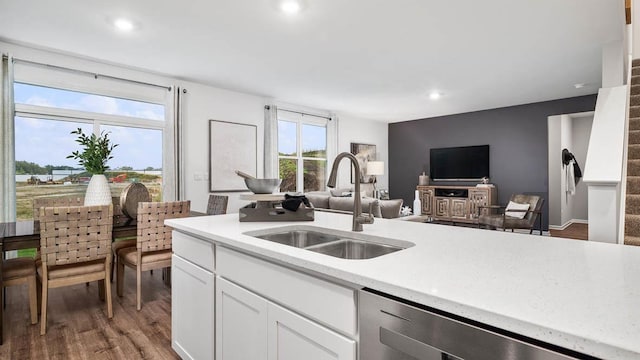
x=574, y=231
x=78, y=327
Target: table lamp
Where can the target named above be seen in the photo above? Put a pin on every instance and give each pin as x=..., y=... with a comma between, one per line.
x=374, y=169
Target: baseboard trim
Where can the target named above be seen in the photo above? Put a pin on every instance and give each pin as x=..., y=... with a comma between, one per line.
x=567, y=224
x=579, y=221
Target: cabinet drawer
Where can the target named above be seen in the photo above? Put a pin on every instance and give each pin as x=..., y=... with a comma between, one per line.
x=325, y=302
x=197, y=251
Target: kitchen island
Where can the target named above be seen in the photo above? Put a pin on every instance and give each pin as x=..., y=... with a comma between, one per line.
x=578, y=295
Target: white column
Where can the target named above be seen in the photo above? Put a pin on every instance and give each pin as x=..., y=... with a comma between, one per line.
x=603, y=213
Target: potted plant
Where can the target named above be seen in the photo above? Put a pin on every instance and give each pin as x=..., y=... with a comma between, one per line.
x=93, y=157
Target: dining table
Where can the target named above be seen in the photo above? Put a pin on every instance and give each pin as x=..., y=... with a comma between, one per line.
x=20, y=235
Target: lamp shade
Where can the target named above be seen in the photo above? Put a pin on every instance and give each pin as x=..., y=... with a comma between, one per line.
x=375, y=168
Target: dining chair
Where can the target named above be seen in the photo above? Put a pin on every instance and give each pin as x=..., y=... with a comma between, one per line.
x=55, y=201
x=217, y=204
x=58, y=201
x=75, y=244
x=19, y=271
x=153, y=244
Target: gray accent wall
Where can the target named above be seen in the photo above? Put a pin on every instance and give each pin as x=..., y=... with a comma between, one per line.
x=517, y=136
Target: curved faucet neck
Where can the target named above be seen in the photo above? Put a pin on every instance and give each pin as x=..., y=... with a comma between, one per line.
x=357, y=201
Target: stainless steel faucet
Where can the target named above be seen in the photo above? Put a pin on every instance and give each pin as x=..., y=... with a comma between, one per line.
x=358, y=217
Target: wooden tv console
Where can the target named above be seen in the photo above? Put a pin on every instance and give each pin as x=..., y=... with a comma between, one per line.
x=456, y=203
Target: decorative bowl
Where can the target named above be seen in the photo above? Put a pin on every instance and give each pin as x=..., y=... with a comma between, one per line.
x=262, y=186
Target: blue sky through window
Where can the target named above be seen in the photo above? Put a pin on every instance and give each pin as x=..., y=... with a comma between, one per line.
x=72, y=100
x=313, y=137
x=48, y=142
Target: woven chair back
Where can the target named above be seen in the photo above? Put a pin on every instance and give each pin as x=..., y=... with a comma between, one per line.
x=55, y=201
x=75, y=234
x=217, y=204
x=153, y=234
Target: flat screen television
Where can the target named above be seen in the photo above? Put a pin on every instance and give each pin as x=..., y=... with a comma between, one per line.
x=466, y=163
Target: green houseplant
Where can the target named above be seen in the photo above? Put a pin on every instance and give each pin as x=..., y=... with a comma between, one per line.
x=96, y=151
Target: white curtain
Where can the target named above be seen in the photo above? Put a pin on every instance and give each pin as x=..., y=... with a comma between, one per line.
x=271, y=142
x=174, y=150
x=7, y=137
x=332, y=141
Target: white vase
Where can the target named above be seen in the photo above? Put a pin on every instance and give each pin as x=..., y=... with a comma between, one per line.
x=98, y=192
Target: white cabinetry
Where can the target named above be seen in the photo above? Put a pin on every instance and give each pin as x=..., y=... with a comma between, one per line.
x=293, y=337
x=249, y=326
x=229, y=305
x=192, y=298
x=241, y=325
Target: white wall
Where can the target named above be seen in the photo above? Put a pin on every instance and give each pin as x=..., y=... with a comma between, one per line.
x=581, y=131
x=352, y=129
x=566, y=142
x=203, y=103
x=570, y=131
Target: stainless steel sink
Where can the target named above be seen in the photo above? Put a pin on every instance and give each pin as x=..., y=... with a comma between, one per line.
x=299, y=238
x=331, y=242
x=354, y=249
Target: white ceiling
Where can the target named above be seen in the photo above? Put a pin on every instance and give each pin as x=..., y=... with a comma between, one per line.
x=376, y=59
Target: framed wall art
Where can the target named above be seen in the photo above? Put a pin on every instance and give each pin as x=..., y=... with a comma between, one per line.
x=232, y=146
x=364, y=153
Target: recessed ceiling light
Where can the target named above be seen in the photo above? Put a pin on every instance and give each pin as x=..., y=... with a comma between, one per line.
x=579, y=86
x=435, y=95
x=290, y=7
x=123, y=24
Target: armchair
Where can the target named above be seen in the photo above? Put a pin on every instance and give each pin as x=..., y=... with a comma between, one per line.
x=504, y=221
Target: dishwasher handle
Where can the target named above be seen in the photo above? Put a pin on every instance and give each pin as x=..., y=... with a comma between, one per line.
x=407, y=345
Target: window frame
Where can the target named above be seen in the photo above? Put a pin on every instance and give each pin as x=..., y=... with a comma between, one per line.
x=105, y=87
x=300, y=120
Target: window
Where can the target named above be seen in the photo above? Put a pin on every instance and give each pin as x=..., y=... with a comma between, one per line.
x=302, y=152
x=73, y=100
x=45, y=116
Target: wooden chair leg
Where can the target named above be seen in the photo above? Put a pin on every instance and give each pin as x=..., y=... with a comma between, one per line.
x=107, y=288
x=120, y=278
x=101, y=286
x=138, y=286
x=33, y=299
x=39, y=292
x=43, y=312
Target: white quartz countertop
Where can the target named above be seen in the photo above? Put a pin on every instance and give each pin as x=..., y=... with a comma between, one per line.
x=579, y=295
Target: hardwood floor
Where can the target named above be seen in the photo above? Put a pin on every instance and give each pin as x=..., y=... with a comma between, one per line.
x=78, y=327
x=573, y=231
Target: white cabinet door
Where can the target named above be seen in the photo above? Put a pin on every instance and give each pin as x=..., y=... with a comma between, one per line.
x=192, y=310
x=292, y=337
x=241, y=324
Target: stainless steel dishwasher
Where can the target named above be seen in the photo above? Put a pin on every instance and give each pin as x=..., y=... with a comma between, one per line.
x=392, y=329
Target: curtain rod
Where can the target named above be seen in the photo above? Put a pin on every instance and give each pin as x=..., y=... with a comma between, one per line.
x=301, y=113
x=95, y=75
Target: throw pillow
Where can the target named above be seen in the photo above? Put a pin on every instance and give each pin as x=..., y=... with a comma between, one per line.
x=340, y=192
x=516, y=206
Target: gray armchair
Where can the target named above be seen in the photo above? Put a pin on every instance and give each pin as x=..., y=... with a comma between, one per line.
x=493, y=217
